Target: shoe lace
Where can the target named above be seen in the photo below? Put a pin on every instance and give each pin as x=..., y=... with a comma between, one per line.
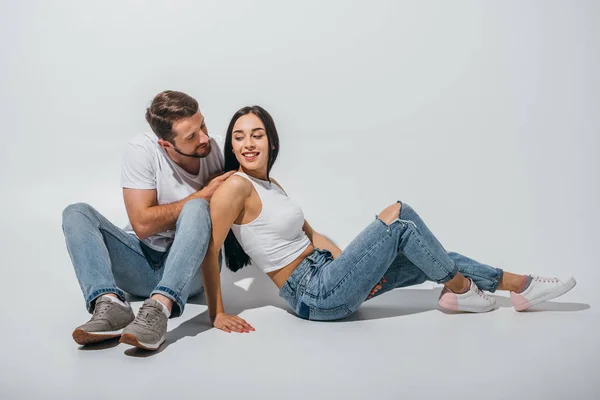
x=545, y=279
x=101, y=308
x=147, y=315
x=481, y=294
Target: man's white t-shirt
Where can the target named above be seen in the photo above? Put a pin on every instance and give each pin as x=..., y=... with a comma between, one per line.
x=146, y=165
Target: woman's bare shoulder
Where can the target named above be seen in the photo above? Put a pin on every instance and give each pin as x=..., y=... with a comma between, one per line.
x=234, y=186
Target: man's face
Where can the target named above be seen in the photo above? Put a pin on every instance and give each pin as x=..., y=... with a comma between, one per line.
x=191, y=137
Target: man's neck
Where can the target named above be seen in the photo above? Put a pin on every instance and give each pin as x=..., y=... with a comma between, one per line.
x=189, y=164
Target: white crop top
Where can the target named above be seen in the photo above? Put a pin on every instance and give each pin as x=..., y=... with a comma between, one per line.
x=275, y=238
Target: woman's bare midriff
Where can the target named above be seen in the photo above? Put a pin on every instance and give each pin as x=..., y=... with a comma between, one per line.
x=281, y=275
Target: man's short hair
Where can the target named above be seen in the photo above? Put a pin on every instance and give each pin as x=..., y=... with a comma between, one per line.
x=166, y=108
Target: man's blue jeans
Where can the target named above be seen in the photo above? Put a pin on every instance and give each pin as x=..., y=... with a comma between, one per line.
x=405, y=252
x=107, y=259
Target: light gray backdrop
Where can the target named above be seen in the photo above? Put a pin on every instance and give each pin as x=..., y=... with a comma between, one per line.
x=481, y=115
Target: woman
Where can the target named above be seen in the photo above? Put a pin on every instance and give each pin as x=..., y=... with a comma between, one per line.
x=255, y=219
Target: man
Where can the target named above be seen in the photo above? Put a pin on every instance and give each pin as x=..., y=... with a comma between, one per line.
x=166, y=180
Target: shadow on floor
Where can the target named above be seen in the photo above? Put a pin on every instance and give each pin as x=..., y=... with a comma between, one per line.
x=262, y=292
x=107, y=344
x=502, y=301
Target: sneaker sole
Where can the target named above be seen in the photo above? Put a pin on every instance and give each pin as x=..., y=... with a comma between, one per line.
x=130, y=339
x=452, y=305
x=468, y=309
x=477, y=309
x=82, y=337
x=570, y=284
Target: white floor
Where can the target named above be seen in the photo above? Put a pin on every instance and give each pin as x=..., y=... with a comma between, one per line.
x=481, y=115
x=396, y=346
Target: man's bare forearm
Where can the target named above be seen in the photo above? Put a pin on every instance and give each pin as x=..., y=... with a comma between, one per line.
x=148, y=220
x=162, y=217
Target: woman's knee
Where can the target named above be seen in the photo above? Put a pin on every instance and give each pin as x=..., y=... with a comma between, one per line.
x=390, y=213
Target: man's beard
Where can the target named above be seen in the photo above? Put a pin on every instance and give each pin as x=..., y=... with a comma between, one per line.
x=194, y=155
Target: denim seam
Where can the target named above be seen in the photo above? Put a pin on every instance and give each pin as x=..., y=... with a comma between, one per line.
x=127, y=245
x=495, y=282
x=418, y=238
x=99, y=226
x=411, y=225
x=186, y=281
x=494, y=286
x=482, y=277
x=302, y=285
x=344, y=307
x=293, y=294
x=194, y=272
x=191, y=275
x=179, y=219
x=351, y=269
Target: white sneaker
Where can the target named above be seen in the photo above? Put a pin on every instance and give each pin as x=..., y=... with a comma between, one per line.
x=473, y=300
x=540, y=289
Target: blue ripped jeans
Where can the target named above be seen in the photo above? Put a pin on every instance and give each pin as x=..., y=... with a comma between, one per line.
x=405, y=253
x=108, y=260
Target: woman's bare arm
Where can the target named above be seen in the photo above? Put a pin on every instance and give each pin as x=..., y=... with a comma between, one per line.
x=226, y=205
x=320, y=241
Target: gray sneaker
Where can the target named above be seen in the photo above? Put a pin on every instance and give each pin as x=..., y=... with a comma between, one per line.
x=149, y=328
x=107, y=322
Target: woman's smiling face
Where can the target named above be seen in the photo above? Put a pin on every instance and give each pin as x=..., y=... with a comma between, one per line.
x=251, y=144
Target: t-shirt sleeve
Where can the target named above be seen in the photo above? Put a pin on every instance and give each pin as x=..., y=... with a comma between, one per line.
x=137, y=170
x=219, y=163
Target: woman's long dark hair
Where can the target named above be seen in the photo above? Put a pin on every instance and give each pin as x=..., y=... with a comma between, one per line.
x=235, y=256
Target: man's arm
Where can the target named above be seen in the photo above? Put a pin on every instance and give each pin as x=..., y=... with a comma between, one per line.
x=147, y=217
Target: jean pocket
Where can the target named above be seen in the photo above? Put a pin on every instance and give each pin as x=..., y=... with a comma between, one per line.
x=329, y=314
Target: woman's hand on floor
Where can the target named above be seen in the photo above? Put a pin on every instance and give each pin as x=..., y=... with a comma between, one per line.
x=231, y=323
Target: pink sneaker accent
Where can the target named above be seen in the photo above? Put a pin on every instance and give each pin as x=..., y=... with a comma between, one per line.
x=519, y=302
x=448, y=300
x=540, y=289
x=473, y=300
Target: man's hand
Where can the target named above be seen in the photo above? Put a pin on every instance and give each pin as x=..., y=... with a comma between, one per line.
x=229, y=323
x=213, y=184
